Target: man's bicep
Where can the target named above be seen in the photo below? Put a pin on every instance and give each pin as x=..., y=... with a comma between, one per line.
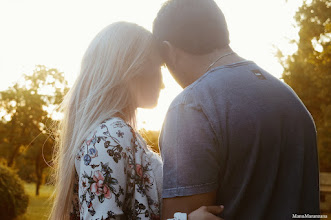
x=186, y=204
x=190, y=153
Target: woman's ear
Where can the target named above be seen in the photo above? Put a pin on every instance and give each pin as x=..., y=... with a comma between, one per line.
x=169, y=53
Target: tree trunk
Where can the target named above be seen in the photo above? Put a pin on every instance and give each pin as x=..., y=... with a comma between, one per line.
x=13, y=156
x=39, y=172
x=37, y=187
x=16, y=150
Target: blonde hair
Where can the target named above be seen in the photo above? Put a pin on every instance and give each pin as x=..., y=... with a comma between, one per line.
x=103, y=89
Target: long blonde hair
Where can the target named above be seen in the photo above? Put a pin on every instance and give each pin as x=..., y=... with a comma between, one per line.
x=103, y=89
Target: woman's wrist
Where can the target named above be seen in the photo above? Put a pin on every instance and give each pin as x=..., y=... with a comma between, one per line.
x=179, y=216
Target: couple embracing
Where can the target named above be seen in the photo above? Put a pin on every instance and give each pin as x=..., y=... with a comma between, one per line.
x=237, y=143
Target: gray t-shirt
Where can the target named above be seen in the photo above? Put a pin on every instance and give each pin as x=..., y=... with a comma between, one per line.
x=246, y=134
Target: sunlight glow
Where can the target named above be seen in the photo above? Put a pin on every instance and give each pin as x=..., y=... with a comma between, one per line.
x=55, y=115
x=2, y=113
x=56, y=34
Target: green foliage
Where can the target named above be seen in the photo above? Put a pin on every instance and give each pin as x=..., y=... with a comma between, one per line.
x=151, y=138
x=14, y=200
x=26, y=139
x=308, y=71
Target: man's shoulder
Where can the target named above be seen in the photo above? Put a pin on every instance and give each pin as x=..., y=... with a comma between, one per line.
x=222, y=77
x=186, y=97
x=216, y=82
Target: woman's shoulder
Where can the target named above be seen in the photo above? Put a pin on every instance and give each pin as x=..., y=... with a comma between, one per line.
x=113, y=129
x=114, y=126
x=115, y=173
x=112, y=137
x=102, y=166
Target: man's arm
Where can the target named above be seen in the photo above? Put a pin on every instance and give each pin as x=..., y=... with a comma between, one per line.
x=186, y=204
x=190, y=154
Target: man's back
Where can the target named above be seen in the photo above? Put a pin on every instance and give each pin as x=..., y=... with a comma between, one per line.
x=261, y=155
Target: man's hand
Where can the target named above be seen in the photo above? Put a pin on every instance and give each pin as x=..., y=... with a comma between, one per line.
x=206, y=213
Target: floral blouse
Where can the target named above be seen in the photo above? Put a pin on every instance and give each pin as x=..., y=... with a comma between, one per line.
x=115, y=175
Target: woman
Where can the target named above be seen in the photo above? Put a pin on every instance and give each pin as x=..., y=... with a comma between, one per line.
x=104, y=169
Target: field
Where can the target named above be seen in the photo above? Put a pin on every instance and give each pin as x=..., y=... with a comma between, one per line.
x=39, y=207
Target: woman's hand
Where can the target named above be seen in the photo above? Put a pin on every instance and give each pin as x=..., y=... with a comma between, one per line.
x=206, y=213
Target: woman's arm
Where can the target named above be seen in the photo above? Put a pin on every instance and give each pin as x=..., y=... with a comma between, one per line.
x=187, y=204
x=199, y=206
x=202, y=213
x=206, y=213
x=102, y=172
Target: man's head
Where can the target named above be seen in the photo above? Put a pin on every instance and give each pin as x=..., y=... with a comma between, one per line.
x=195, y=26
x=189, y=28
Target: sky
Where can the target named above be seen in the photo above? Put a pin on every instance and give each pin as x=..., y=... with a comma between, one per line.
x=57, y=33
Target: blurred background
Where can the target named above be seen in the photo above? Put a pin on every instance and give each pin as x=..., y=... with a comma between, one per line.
x=41, y=46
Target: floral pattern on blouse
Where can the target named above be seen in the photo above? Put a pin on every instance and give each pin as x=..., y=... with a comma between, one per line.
x=114, y=179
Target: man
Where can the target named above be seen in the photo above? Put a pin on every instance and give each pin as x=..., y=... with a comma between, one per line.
x=236, y=135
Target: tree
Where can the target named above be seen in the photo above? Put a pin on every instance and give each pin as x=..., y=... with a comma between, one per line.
x=28, y=118
x=308, y=71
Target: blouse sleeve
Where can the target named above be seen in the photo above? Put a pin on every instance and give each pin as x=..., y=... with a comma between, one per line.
x=103, y=166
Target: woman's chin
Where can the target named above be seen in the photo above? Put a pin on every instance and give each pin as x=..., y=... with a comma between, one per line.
x=149, y=105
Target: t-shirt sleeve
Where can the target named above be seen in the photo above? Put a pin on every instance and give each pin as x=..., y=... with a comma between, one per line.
x=103, y=172
x=190, y=153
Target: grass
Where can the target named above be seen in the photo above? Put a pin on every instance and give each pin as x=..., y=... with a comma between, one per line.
x=39, y=206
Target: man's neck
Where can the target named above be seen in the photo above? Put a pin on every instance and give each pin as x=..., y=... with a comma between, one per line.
x=201, y=64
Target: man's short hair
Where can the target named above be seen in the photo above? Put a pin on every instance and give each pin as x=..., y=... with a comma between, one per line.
x=195, y=26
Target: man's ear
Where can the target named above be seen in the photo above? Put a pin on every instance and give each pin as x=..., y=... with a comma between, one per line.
x=169, y=53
